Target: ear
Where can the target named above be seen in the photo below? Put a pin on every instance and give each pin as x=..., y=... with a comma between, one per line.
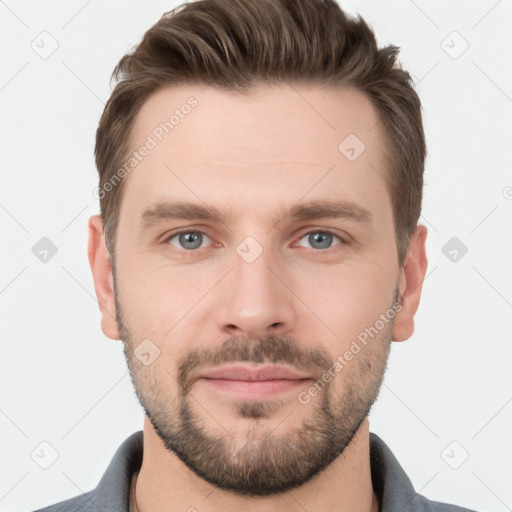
x=101, y=268
x=411, y=284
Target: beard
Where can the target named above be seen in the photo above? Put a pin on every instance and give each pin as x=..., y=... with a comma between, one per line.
x=266, y=463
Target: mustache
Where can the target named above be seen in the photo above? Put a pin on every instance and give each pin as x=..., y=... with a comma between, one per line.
x=268, y=349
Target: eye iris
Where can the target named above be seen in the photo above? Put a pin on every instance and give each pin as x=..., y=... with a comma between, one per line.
x=325, y=239
x=192, y=237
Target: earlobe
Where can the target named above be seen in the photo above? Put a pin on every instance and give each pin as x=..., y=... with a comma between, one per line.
x=101, y=268
x=411, y=284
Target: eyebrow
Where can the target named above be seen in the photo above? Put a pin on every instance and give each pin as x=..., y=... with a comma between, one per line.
x=312, y=210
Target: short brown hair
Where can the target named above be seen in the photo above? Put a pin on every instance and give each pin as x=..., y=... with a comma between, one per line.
x=236, y=45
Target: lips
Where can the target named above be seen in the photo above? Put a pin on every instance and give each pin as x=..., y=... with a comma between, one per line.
x=243, y=373
x=253, y=383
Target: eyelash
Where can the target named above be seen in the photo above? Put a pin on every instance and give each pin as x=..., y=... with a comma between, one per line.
x=193, y=251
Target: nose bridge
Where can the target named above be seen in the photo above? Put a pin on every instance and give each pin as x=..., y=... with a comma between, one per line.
x=253, y=301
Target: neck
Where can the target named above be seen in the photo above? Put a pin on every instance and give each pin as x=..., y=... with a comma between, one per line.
x=165, y=483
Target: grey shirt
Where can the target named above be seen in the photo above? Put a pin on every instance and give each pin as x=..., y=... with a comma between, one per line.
x=112, y=494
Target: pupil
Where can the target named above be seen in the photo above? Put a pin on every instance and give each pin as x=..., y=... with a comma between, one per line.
x=321, y=239
x=191, y=238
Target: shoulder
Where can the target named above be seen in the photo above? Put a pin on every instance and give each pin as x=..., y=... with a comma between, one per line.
x=112, y=492
x=422, y=504
x=394, y=487
x=77, y=504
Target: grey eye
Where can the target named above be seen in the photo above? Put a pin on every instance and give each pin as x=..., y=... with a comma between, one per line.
x=188, y=240
x=321, y=239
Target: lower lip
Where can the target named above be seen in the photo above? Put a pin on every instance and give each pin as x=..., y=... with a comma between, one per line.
x=255, y=390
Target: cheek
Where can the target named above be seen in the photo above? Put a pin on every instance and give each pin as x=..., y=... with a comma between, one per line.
x=347, y=299
x=155, y=297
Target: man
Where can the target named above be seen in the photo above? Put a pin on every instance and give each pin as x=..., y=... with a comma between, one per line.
x=261, y=172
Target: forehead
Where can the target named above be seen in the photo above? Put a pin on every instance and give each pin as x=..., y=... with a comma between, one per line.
x=283, y=116
x=209, y=145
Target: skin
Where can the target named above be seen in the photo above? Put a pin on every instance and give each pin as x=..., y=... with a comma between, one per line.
x=253, y=158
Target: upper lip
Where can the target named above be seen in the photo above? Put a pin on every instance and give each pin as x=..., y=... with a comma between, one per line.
x=253, y=374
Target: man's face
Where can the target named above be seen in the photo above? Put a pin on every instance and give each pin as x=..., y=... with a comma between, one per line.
x=260, y=287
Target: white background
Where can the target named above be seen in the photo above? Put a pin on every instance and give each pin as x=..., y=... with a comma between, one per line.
x=62, y=381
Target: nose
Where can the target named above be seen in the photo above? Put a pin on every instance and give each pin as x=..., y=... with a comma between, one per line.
x=255, y=299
